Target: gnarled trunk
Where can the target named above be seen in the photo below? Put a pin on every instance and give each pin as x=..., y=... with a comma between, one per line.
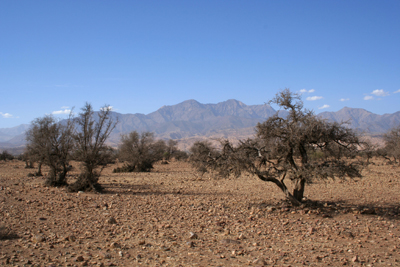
x=298, y=191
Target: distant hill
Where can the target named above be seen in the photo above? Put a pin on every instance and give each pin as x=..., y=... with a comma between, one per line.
x=190, y=120
x=364, y=120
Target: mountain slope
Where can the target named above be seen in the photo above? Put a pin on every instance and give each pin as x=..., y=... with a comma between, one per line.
x=364, y=120
x=229, y=119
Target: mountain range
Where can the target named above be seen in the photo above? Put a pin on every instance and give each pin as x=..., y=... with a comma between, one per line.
x=191, y=120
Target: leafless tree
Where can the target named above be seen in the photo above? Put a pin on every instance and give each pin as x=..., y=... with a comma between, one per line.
x=50, y=142
x=140, y=151
x=90, y=147
x=300, y=147
x=392, y=143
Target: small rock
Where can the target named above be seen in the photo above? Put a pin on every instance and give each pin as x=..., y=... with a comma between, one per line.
x=112, y=220
x=311, y=230
x=193, y=235
x=229, y=241
x=348, y=234
x=270, y=209
x=79, y=259
x=354, y=259
x=38, y=238
x=105, y=255
x=115, y=245
x=70, y=238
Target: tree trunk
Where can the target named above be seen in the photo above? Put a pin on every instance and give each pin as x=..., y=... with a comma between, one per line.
x=283, y=187
x=298, y=191
x=39, y=171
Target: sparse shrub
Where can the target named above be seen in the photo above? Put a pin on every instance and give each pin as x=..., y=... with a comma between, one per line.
x=50, y=142
x=140, y=151
x=90, y=148
x=6, y=156
x=180, y=155
x=392, y=144
x=125, y=168
x=203, y=156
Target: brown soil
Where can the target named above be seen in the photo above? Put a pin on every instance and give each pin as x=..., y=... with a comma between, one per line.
x=175, y=217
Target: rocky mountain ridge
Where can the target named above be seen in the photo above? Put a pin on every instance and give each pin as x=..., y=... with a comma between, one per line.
x=229, y=119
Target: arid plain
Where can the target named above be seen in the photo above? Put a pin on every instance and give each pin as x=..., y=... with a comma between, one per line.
x=174, y=216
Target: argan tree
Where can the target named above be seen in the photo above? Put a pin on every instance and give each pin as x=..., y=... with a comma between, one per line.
x=6, y=156
x=140, y=151
x=90, y=147
x=299, y=147
x=392, y=143
x=50, y=142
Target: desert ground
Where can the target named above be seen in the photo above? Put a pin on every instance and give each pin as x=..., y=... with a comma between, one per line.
x=174, y=216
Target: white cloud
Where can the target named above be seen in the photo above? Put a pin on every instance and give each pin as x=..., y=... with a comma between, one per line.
x=302, y=91
x=313, y=98
x=324, y=106
x=368, y=97
x=344, y=99
x=6, y=115
x=108, y=107
x=379, y=92
x=398, y=91
x=60, y=112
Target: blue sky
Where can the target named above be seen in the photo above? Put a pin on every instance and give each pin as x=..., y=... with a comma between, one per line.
x=140, y=55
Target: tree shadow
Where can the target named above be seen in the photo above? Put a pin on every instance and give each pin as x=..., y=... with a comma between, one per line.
x=132, y=189
x=7, y=234
x=331, y=209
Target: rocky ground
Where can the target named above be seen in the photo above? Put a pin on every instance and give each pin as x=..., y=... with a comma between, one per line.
x=172, y=216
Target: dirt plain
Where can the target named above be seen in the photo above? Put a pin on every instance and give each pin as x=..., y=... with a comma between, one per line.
x=173, y=216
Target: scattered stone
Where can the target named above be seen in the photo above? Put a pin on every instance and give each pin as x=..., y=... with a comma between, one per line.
x=115, y=245
x=193, y=235
x=269, y=209
x=229, y=241
x=311, y=230
x=38, y=238
x=112, y=220
x=79, y=259
x=348, y=234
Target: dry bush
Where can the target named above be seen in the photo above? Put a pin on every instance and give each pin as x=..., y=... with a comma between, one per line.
x=90, y=148
x=140, y=152
x=50, y=142
x=392, y=144
x=6, y=156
